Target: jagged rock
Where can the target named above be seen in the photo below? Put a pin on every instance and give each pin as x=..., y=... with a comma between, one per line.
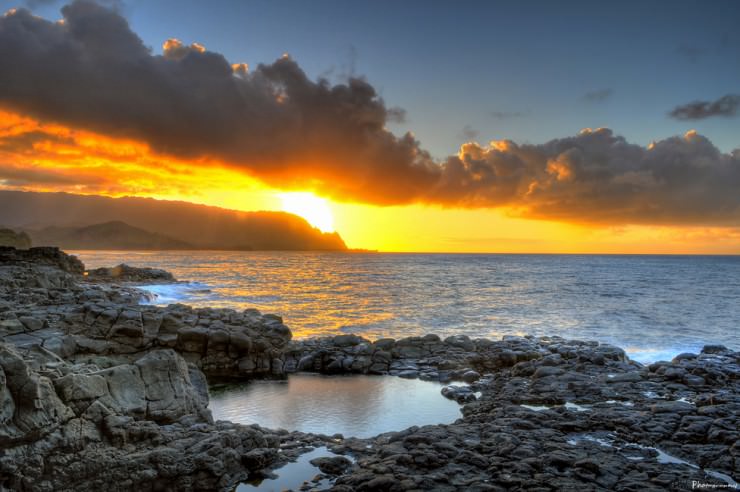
x=331, y=465
x=126, y=273
x=460, y=394
x=168, y=391
x=47, y=256
x=31, y=407
x=460, y=341
x=470, y=376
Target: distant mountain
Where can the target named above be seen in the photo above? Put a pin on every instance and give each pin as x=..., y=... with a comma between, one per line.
x=197, y=226
x=109, y=235
x=19, y=240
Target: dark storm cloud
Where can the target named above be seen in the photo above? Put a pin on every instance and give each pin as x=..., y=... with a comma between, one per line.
x=726, y=106
x=599, y=95
x=92, y=72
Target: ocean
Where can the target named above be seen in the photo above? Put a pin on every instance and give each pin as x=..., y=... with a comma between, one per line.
x=654, y=307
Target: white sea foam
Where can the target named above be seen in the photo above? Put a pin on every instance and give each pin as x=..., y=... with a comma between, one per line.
x=601, y=441
x=625, y=403
x=536, y=408
x=181, y=292
x=568, y=406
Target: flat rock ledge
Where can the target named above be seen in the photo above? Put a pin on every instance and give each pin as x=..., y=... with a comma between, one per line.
x=100, y=392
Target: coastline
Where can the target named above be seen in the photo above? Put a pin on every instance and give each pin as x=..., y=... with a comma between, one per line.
x=102, y=391
x=654, y=308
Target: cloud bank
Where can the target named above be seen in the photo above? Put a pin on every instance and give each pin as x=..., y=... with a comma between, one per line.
x=597, y=176
x=91, y=73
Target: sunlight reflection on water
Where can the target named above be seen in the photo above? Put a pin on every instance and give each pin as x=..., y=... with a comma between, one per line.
x=657, y=306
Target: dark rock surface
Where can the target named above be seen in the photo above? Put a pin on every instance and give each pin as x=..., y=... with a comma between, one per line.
x=100, y=392
x=597, y=422
x=46, y=256
x=332, y=465
x=126, y=273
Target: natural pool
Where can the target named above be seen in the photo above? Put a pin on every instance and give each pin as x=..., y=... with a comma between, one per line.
x=292, y=476
x=358, y=406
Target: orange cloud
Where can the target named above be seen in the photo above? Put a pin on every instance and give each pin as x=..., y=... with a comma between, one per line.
x=37, y=156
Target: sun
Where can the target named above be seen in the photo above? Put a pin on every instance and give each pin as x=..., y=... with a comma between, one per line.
x=312, y=208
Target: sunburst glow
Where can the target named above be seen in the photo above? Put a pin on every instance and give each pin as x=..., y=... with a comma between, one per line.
x=312, y=208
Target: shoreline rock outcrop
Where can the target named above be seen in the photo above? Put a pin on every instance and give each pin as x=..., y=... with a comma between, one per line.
x=126, y=273
x=101, y=392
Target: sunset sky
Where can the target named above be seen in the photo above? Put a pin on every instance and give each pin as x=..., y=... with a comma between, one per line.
x=405, y=126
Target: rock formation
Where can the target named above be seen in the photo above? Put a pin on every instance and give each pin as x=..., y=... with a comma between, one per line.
x=100, y=392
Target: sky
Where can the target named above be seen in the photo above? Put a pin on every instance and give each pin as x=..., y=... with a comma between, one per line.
x=442, y=126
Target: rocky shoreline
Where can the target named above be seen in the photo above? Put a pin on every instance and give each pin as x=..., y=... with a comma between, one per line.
x=101, y=392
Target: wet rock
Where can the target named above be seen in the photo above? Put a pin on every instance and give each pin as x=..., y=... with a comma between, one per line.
x=627, y=377
x=546, y=371
x=460, y=341
x=31, y=323
x=461, y=394
x=714, y=349
x=672, y=407
x=126, y=273
x=408, y=374
x=470, y=376
x=683, y=356
x=346, y=340
x=331, y=465
x=694, y=381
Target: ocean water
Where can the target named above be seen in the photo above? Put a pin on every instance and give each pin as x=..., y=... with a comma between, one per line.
x=652, y=306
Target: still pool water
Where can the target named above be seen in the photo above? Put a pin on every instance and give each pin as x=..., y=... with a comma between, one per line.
x=292, y=475
x=358, y=406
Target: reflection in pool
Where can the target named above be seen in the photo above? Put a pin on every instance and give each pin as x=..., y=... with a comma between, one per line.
x=359, y=406
x=292, y=476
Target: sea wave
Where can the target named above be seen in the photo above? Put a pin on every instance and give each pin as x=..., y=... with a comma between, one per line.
x=181, y=292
